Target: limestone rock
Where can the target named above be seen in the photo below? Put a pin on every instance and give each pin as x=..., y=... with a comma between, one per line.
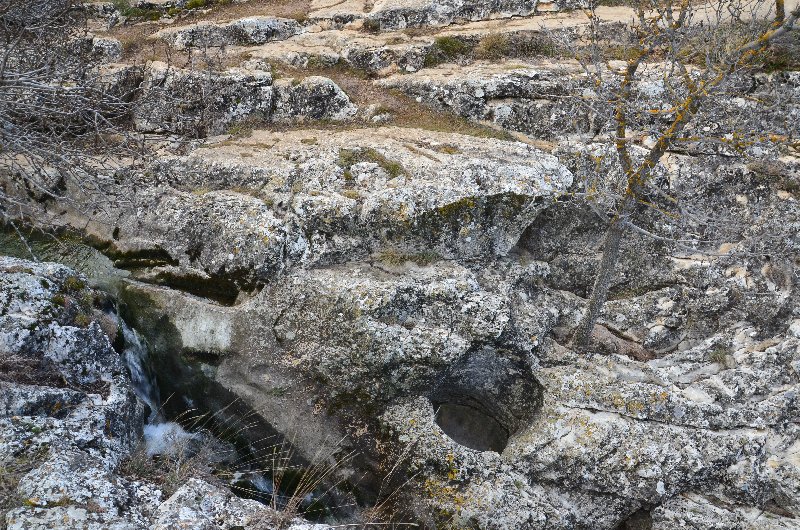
x=393, y=14
x=196, y=104
x=311, y=196
x=313, y=98
x=199, y=505
x=243, y=32
x=199, y=103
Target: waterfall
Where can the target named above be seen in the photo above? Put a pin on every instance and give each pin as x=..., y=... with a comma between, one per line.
x=145, y=387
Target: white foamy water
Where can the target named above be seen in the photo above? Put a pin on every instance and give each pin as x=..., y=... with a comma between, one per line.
x=166, y=438
x=144, y=385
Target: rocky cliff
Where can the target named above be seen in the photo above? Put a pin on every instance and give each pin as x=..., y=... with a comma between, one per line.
x=366, y=225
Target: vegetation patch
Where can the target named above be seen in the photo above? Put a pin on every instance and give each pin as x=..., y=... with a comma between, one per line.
x=350, y=157
x=458, y=207
x=396, y=257
x=784, y=55
x=718, y=354
x=446, y=49
x=371, y=25
x=493, y=46
x=126, y=10
x=12, y=469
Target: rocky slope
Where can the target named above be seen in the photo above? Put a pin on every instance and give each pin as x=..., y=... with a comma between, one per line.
x=70, y=421
x=365, y=225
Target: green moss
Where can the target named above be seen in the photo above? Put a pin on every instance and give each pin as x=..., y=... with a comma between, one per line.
x=59, y=299
x=371, y=26
x=397, y=257
x=350, y=157
x=137, y=12
x=195, y=4
x=455, y=208
x=73, y=283
x=82, y=320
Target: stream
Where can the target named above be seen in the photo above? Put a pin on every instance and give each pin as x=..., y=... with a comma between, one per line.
x=261, y=468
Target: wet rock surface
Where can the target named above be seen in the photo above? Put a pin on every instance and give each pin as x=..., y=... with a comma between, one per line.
x=69, y=418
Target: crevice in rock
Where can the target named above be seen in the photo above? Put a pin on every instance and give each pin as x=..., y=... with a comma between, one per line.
x=222, y=290
x=638, y=520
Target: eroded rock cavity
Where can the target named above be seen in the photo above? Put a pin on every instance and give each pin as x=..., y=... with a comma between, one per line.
x=485, y=399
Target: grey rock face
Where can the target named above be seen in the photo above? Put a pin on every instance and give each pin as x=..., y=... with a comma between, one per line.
x=532, y=99
x=243, y=32
x=313, y=98
x=200, y=505
x=199, y=103
x=314, y=197
x=106, y=49
x=392, y=14
x=551, y=100
x=67, y=404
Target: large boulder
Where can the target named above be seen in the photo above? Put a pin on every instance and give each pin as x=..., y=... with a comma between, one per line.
x=251, y=31
x=197, y=103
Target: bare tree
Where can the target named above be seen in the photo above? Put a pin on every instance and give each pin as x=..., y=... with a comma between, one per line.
x=697, y=50
x=60, y=122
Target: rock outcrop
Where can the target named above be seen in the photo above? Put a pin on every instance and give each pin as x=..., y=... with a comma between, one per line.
x=70, y=420
x=552, y=99
x=197, y=103
x=398, y=299
x=275, y=201
x=243, y=32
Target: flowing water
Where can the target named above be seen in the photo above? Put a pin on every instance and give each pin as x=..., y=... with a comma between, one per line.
x=136, y=357
x=161, y=436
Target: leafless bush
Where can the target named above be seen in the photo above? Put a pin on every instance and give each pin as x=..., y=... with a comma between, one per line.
x=60, y=124
x=693, y=53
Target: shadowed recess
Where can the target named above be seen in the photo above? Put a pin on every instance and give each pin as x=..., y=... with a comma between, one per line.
x=484, y=399
x=472, y=428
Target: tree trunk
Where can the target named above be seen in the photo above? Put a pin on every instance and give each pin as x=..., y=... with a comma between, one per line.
x=780, y=12
x=613, y=239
